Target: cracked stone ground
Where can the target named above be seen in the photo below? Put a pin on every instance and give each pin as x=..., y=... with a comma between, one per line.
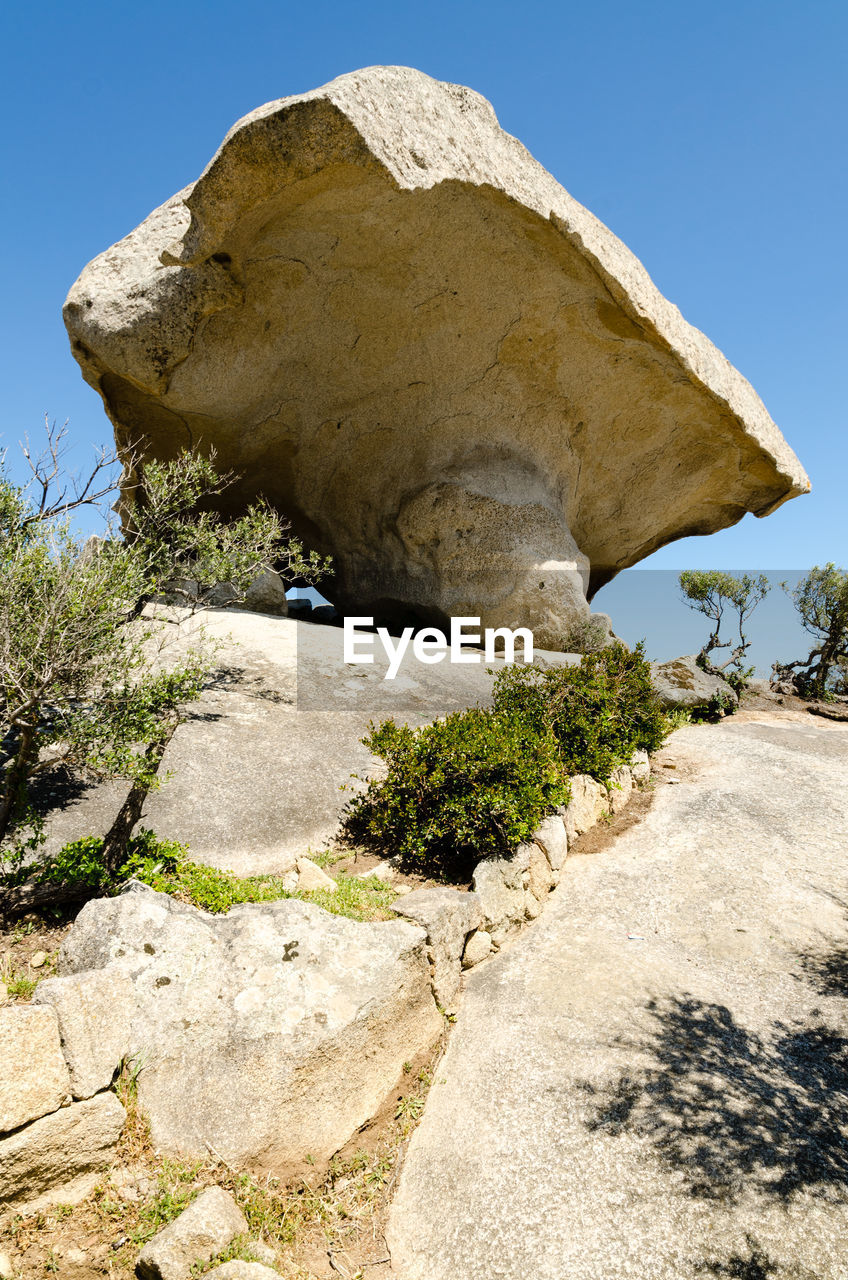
x=652, y=1082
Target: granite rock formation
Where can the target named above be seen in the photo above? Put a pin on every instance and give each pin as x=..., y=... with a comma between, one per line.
x=397, y=326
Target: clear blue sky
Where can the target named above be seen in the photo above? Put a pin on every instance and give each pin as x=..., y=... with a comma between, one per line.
x=709, y=137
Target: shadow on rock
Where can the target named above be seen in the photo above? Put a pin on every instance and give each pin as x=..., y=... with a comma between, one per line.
x=753, y=1264
x=733, y=1111
x=827, y=967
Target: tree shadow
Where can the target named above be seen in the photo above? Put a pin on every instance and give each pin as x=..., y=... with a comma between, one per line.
x=827, y=968
x=753, y=1264
x=733, y=1111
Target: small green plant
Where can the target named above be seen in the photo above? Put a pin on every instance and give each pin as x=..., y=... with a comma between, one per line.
x=587, y=636
x=166, y=867
x=719, y=705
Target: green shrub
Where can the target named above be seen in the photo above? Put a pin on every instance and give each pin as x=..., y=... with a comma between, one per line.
x=599, y=712
x=478, y=782
x=456, y=791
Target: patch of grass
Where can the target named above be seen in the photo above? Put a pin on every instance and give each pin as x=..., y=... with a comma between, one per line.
x=165, y=866
x=20, y=985
x=217, y=891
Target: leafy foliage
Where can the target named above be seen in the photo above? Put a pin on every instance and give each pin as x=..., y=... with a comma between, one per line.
x=478, y=782
x=713, y=592
x=84, y=679
x=164, y=865
x=599, y=712
x=189, y=549
x=586, y=636
x=821, y=598
x=458, y=790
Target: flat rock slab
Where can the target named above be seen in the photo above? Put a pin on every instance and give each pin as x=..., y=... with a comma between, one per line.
x=652, y=1083
x=257, y=768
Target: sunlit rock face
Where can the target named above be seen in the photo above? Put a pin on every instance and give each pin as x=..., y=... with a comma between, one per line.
x=398, y=327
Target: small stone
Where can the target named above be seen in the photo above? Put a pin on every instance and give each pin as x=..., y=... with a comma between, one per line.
x=38, y=959
x=540, y=877
x=310, y=877
x=620, y=789
x=206, y=1227
x=6, y=1269
x=382, y=871
x=640, y=766
x=550, y=835
x=263, y=1252
x=478, y=946
x=76, y=1256
x=33, y=1075
x=588, y=802
x=243, y=1271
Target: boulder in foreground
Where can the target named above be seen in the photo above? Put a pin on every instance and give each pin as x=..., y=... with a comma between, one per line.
x=269, y=1034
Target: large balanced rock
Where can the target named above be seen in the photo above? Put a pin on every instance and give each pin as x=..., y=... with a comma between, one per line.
x=266, y=1036
x=398, y=327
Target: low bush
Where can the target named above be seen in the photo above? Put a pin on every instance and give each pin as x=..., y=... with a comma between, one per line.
x=599, y=712
x=478, y=782
x=456, y=791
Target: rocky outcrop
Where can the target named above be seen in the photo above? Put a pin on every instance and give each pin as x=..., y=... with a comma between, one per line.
x=59, y=1158
x=448, y=917
x=52, y=1148
x=396, y=325
x=269, y=1034
x=681, y=684
x=33, y=1075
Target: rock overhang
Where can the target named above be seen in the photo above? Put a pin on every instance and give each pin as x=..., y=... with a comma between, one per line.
x=393, y=322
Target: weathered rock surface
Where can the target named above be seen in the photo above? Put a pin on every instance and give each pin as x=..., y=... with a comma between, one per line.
x=447, y=916
x=500, y=884
x=478, y=946
x=652, y=1082
x=93, y=1043
x=620, y=789
x=271, y=1033
x=205, y=1228
x=551, y=836
x=59, y=1158
x=258, y=765
x=321, y=306
x=640, y=766
x=682, y=683
x=588, y=801
x=33, y=1075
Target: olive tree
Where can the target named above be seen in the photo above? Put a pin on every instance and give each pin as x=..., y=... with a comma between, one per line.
x=87, y=678
x=821, y=598
x=718, y=594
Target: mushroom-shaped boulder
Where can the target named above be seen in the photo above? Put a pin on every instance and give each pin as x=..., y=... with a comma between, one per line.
x=394, y=324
